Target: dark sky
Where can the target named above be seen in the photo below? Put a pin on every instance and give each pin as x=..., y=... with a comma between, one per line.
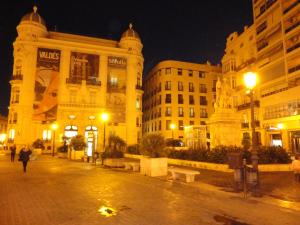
x=194, y=31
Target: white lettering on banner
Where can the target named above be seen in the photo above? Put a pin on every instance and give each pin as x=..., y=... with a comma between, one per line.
x=117, y=61
x=49, y=55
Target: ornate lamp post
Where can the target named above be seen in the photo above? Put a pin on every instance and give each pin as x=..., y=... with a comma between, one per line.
x=172, y=126
x=54, y=126
x=104, y=118
x=250, y=82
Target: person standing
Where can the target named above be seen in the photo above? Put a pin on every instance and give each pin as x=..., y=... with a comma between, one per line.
x=12, y=153
x=296, y=168
x=24, y=157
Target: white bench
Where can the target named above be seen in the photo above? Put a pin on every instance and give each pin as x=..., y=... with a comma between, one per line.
x=135, y=166
x=189, y=174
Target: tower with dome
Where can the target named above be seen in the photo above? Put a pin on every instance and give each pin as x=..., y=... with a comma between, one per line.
x=70, y=80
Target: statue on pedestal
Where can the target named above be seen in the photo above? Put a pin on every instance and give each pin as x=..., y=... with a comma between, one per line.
x=223, y=95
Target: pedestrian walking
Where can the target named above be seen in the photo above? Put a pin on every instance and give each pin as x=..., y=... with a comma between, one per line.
x=24, y=157
x=296, y=168
x=12, y=153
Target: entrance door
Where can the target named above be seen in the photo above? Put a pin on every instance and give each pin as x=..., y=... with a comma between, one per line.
x=91, y=133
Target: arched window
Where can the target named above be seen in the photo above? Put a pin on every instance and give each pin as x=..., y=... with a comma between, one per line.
x=18, y=67
x=71, y=131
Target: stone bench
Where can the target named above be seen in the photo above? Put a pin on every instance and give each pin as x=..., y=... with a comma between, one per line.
x=189, y=174
x=134, y=166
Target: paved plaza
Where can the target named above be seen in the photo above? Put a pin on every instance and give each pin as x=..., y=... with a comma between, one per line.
x=60, y=192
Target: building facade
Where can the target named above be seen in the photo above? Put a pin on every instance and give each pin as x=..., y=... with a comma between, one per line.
x=178, y=93
x=3, y=131
x=270, y=47
x=70, y=80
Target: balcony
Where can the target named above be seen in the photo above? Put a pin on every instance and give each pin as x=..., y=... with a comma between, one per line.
x=294, y=69
x=291, y=7
x=203, y=115
x=247, y=105
x=265, y=7
x=17, y=77
x=214, y=89
x=73, y=81
x=293, y=48
x=246, y=125
x=93, y=82
x=292, y=27
x=261, y=46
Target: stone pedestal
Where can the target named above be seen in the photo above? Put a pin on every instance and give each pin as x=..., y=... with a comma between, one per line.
x=224, y=126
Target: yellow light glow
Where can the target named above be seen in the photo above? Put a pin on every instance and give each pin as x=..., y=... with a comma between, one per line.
x=280, y=126
x=172, y=126
x=104, y=117
x=107, y=211
x=54, y=126
x=250, y=79
x=2, y=137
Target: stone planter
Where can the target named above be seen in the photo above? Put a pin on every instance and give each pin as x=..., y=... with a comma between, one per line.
x=116, y=162
x=77, y=155
x=154, y=167
x=62, y=155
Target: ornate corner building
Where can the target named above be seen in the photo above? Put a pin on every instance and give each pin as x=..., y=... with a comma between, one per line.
x=71, y=79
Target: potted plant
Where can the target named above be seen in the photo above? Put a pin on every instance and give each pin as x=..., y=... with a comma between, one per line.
x=113, y=155
x=154, y=161
x=77, y=145
x=62, y=151
x=38, y=146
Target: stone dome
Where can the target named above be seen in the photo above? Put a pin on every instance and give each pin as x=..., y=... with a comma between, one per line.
x=130, y=33
x=33, y=17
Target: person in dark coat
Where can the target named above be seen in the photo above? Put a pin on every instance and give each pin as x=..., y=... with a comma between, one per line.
x=24, y=157
x=12, y=153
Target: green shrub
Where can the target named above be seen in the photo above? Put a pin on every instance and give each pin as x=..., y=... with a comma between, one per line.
x=133, y=149
x=78, y=143
x=38, y=143
x=153, y=145
x=112, y=154
x=272, y=154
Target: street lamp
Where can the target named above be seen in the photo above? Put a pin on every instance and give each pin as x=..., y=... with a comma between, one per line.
x=172, y=126
x=104, y=118
x=54, y=126
x=250, y=79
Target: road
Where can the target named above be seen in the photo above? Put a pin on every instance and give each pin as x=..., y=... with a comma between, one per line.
x=60, y=192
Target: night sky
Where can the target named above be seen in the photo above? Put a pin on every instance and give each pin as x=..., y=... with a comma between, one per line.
x=193, y=31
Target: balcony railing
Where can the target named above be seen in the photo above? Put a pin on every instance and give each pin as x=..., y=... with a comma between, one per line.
x=17, y=77
x=247, y=105
x=93, y=82
x=294, y=69
x=73, y=81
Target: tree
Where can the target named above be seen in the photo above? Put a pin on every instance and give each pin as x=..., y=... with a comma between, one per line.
x=77, y=142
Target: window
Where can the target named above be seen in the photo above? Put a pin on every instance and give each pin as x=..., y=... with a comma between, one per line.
x=191, y=87
x=180, y=86
x=180, y=112
x=138, y=104
x=159, y=100
x=113, y=81
x=203, y=113
x=191, y=100
x=201, y=74
x=168, y=111
x=18, y=68
x=11, y=134
x=15, y=117
x=47, y=135
x=159, y=112
x=180, y=99
x=190, y=73
x=15, y=95
x=203, y=100
x=168, y=85
x=168, y=70
x=159, y=87
x=168, y=123
x=179, y=72
x=233, y=82
x=137, y=122
x=192, y=122
x=214, y=85
x=168, y=98
x=180, y=125
x=159, y=125
x=202, y=123
x=202, y=88
x=192, y=112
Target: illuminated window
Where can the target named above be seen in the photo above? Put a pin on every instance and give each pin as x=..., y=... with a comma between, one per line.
x=179, y=72
x=190, y=73
x=114, y=81
x=71, y=131
x=11, y=134
x=138, y=103
x=47, y=135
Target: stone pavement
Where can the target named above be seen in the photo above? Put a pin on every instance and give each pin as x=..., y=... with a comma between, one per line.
x=60, y=192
